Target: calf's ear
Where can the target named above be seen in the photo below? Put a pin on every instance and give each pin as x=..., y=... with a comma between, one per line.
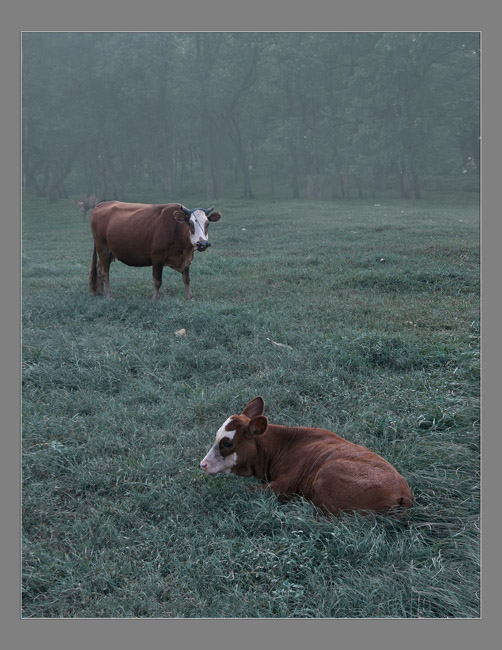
x=254, y=407
x=258, y=425
x=216, y=216
x=179, y=215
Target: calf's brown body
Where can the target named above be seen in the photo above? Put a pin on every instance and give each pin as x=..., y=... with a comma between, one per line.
x=86, y=204
x=333, y=473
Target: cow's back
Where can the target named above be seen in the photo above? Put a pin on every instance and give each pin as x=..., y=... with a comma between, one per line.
x=336, y=474
x=114, y=216
x=132, y=230
x=354, y=477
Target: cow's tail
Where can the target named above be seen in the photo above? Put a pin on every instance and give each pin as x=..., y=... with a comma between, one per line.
x=404, y=503
x=93, y=272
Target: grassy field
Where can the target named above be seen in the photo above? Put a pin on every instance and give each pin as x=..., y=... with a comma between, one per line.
x=378, y=306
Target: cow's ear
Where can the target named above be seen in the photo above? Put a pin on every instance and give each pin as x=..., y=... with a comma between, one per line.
x=254, y=407
x=216, y=216
x=179, y=215
x=258, y=425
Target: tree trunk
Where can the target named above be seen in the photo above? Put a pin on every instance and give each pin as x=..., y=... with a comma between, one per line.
x=378, y=184
x=404, y=181
x=334, y=187
x=235, y=136
x=344, y=186
x=169, y=178
x=358, y=185
x=31, y=181
x=55, y=187
x=167, y=140
x=414, y=180
x=315, y=186
x=310, y=186
x=295, y=182
x=416, y=186
x=212, y=177
x=46, y=179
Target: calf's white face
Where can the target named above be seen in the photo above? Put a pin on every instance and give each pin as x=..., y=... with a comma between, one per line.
x=222, y=456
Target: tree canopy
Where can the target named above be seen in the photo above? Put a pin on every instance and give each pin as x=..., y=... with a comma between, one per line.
x=321, y=114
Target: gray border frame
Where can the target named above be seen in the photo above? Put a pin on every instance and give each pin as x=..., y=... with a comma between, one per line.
x=229, y=15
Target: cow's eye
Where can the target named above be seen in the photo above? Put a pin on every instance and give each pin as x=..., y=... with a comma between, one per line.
x=227, y=444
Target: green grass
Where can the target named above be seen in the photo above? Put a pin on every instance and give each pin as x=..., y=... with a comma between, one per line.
x=379, y=305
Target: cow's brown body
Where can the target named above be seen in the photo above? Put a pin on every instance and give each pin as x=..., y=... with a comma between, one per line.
x=333, y=473
x=140, y=234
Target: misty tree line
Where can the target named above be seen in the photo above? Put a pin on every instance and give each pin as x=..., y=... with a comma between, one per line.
x=336, y=114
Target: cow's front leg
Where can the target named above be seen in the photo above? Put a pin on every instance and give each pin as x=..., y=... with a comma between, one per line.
x=157, y=268
x=282, y=492
x=186, y=279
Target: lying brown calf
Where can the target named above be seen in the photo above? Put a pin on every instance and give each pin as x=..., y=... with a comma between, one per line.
x=315, y=463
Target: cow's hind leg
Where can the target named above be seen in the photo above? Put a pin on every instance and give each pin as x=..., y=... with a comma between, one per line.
x=95, y=277
x=99, y=279
x=105, y=259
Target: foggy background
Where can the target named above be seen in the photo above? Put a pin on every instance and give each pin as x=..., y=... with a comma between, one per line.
x=251, y=115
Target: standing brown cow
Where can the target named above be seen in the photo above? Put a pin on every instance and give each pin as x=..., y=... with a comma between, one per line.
x=140, y=234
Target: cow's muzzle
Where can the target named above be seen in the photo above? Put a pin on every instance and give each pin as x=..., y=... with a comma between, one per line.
x=202, y=245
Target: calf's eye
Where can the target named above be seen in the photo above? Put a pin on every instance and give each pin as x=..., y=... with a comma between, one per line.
x=227, y=444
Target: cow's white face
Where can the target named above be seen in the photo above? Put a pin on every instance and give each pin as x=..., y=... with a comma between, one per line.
x=198, y=224
x=221, y=457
